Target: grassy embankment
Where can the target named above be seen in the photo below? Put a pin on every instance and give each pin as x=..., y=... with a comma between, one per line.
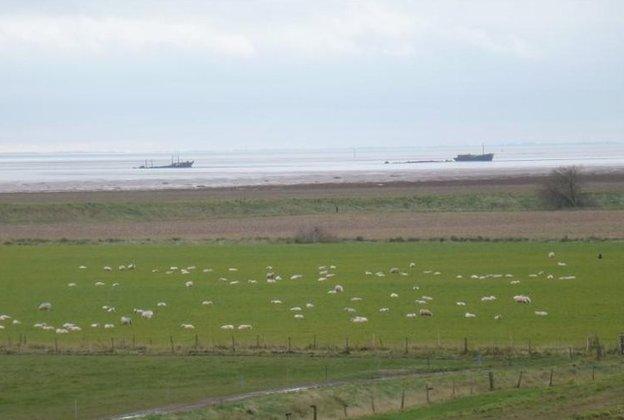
x=85, y=212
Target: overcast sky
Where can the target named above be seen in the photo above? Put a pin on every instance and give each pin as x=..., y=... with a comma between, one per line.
x=179, y=75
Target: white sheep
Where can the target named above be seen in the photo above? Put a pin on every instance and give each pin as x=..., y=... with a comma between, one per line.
x=522, y=299
x=61, y=331
x=359, y=319
x=347, y=309
x=551, y=254
x=147, y=314
x=45, y=306
x=4, y=317
x=71, y=284
x=561, y=264
x=126, y=320
x=107, y=268
x=244, y=327
x=298, y=316
x=296, y=276
x=498, y=317
x=206, y=302
x=276, y=301
x=426, y=297
x=187, y=326
x=425, y=312
x=338, y=288
x=514, y=282
x=227, y=327
x=232, y=269
x=161, y=304
x=488, y=298
x=189, y=284
x=99, y=283
x=384, y=310
x=15, y=322
x=108, y=326
x=420, y=302
x=309, y=305
x=295, y=308
x=461, y=303
x=95, y=325
x=411, y=315
x=82, y=267
x=541, y=313
x=356, y=299
x=394, y=270
x=412, y=265
x=394, y=295
x=469, y=315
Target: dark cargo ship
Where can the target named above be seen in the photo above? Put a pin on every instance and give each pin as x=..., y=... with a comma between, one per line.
x=483, y=157
x=173, y=165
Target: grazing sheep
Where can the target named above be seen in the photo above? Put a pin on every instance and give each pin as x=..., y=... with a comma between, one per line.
x=332, y=267
x=296, y=276
x=121, y=267
x=488, y=298
x=541, y=313
x=425, y=312
x=394, y=295
x=298, y=316
x=252, y=281
x=71, y=284
x=189, y=284
x=522, y=299
x=380, y=274
x=415, y=287
x=99, y=283
x=45, y=306
x=550, y=277
x=567, y=277
x=412, y=265
x=331, y=292
x=426, y=297
x=207, y=270
x=187, y=326
x=459, y=276
x=107, y=268
x=82, y=267
x=61, y=331
x=15, y=322
x=161, y=304
x=469, y=315
x=109, y=326
x=420, y=302
x=234, y=282
x=95, y=325
x=338, y=288
x=309, y=305
x=244, y=327
x=276, y=301
x=322, y=278
x=359, y=319
x=498, y=317
x=227, y=327
x=126, y=320
x=295, y=308
x=384, y=310
x=349, y=310
x=551, y=254
x=561, y=264
x=147, y=314
x=232, y=269
x=509, y=275
x=115, y=284
x=411, y=315
x=461, y=303
x=394, y=270
x=4, y=317
x=356, y=299
x=155, y=270
x=206, y=302
x=368, y=273
x=514, y=282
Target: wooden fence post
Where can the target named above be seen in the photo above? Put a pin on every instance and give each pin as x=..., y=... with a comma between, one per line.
x=347, y=345
x=373, y=403
x=519, y=380
x=550, y=379
x=314, y=342
x=289, y=345
x=196, y=342
x=622, y=343
x=427, y=389
x=465, y=345
x=313, y=411
x=406, y=345
x=233, y=344
x=491, y=378
x=402, y=399
x=172, y=345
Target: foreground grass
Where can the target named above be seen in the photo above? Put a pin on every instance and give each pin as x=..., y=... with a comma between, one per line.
x=55, y=387
x=85, y=212
x=586, y=305
x=454, y=393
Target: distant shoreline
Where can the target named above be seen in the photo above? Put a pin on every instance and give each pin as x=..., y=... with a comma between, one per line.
x=458, y=175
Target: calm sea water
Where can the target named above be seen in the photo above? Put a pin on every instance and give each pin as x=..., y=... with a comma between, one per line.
x=83, y=171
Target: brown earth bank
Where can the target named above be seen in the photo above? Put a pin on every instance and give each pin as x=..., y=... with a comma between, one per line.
x=595, y=182
x=528, y=224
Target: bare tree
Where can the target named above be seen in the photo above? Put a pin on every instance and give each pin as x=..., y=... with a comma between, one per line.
x=563, y=188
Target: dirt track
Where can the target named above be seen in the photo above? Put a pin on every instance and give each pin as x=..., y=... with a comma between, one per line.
x=537, y=224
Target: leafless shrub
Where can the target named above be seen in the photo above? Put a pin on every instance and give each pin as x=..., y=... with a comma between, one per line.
x=563, y=188
x=313, y=234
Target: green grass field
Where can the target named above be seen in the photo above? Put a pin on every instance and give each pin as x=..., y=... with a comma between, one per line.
x=591, y=303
